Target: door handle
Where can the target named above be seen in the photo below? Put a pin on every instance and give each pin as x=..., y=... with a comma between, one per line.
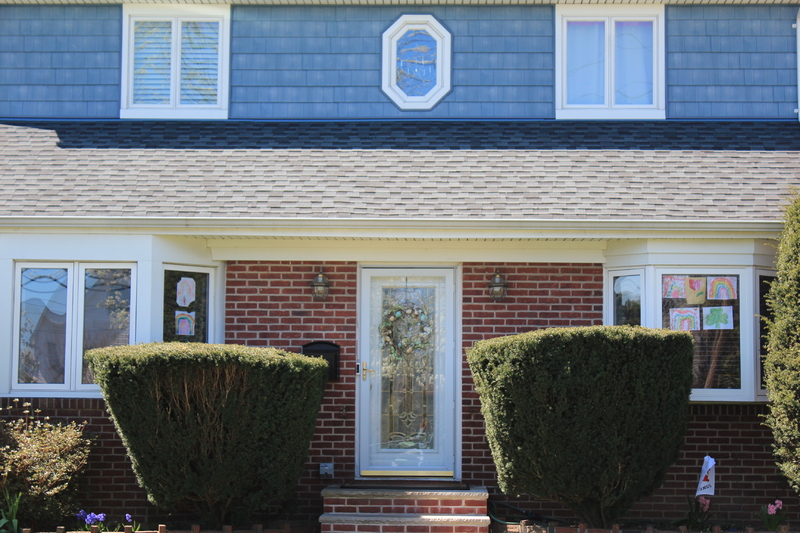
x=364, y=370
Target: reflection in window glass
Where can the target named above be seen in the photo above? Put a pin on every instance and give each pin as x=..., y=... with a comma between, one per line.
x=42, y=325
x=586, y=63
x=628, y=300
x=106, y=311
x=633, y=78
x=199, y=62
x=152, y=61
x=416, y=63
x=708, y=307
x=764, y=312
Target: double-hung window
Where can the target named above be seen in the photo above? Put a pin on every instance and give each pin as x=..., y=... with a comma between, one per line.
x=610, y=62
x=61, y=311
x=175, y=61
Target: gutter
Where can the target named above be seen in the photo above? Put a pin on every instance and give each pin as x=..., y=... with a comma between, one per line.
x=396, y=228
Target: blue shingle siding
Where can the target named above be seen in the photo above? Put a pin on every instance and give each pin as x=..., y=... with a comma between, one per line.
x=60, y=61
x=728, y=62
x=325, y=62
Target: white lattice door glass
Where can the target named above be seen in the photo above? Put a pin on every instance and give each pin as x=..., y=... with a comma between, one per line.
x=407, y=369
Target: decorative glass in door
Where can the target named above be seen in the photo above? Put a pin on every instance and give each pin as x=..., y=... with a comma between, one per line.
x=406, y=377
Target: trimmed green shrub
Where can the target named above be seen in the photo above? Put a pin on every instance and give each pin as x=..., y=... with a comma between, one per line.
x=782, y=362
x=40, y=463
x=588, y=417
x=214, y=430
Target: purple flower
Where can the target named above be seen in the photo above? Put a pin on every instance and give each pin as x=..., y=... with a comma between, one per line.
x=705, y=503
x=128, y=518
x=81, y=515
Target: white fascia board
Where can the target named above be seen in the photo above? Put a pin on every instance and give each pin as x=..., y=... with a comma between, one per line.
x=396, y=228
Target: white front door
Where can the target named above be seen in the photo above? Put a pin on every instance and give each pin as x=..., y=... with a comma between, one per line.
x=407, y=380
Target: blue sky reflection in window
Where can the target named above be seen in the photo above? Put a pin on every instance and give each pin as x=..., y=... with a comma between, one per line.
x=416, y=63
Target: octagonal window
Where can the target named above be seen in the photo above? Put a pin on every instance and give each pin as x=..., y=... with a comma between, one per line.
x=416, y=62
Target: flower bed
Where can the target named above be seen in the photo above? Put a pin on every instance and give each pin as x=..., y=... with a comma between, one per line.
x=256, y=528
x=528, y=526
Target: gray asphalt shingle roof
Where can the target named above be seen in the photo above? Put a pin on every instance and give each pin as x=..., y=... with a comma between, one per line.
x=439, y=170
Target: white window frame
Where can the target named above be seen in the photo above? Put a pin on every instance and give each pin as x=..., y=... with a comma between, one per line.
x=747, y=357
x=761, y=393
x=175, y=13
x=443, y=39
x=652, y=314
x=73, y=349
x=212, y=295
x=609, y=290
x=610, y=13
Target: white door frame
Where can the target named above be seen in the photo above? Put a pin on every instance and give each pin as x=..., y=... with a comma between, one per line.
x=454, y=360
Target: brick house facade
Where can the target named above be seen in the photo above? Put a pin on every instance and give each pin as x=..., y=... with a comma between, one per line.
x=268, y=304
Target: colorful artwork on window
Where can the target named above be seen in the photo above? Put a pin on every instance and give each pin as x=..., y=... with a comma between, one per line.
x=722, y=288
x=185, y=306
x=186, y=292
x=684, y=318
x=718, y=317
x=695, y=290
x=184, y=323
x=673, y=286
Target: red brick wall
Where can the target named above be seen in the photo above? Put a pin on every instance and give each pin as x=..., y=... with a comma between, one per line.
x=539, y=296
x=269, y=304
x=109, y=485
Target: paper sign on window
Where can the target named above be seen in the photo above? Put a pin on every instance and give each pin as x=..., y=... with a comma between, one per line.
x=695, y=290
x=673, y=286
x=718, y=317
x=722, y=288
x=684, y=318
x=184, y=323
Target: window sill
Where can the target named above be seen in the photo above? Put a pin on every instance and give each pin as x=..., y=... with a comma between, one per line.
x=155, y=113
x=610, y=114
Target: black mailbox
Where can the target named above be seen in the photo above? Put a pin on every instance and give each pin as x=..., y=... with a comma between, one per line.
x=328, y=351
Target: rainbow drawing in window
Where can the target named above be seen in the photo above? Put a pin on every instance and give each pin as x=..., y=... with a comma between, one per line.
x=673, y=286
x=684, y=319
x=722, y=288
x=184, y=323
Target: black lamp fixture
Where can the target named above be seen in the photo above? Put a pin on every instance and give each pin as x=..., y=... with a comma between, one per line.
x=497, y=287
x=320, y=286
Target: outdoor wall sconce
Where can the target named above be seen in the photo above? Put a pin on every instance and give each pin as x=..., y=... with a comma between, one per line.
x=320, y=286
x=497, y=287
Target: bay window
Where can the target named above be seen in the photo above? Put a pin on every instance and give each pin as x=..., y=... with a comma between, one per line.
x=61, y=311
x=719, y=306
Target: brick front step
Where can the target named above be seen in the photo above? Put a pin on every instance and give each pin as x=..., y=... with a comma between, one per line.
x=404, y=510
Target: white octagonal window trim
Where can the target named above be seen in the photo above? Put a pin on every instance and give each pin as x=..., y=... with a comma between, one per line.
x=416, y=62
